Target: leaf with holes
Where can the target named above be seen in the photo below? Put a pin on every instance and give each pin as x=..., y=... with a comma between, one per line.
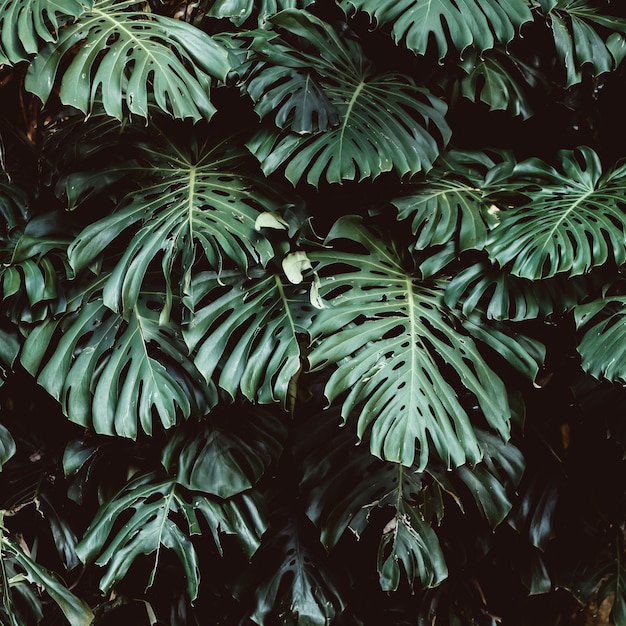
x=462, y=23
x=388, y=123
x=27, y=25
x=127, y=57
x=115, y=375
x=158, y=514
x=399, y=360
x=569, y=219
x=198, y=202
x=245, y=333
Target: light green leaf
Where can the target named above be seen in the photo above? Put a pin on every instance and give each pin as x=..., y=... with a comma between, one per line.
x=388, y=123
x=115, y=375
x=163, y=515
x=26, y=25
x=462, y=23
x=224, y=457
x=75, y=610
x=389, y=339
x=244, y=334
x=125, y=57
x=569, y=221
x=200, y=202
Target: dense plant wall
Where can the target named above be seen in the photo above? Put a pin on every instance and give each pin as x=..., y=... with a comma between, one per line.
x=312, y=312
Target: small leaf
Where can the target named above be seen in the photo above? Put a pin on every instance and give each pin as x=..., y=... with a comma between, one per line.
x=294, y=264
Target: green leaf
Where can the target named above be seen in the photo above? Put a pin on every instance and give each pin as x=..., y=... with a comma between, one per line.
x=388, y=123
x=224, y=457
x=7, y=445
x=75, y=610
x=115, y=375
x=291, y=580
x=293, y=98
x=197, y=202
x=125, y=57
x=245, y=333
x=602, y=345
x=582, y=36
x=494, y=78
x=454, y=203
x=503, y=296
x=159, y=515
x=25, y=25
x=390, y=340
x=462, y=23
x=571, y=222
x=238, y=11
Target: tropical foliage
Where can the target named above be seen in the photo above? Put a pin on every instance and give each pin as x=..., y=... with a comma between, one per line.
x=312, y=312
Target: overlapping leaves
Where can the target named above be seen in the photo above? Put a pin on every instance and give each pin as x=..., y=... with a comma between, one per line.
x=387, y=123
x=238, y=11
x=127, y=58
x=452, y=25
x=570, y=219
x=400, y=361
x=585, y=37
x=163, y=515
x=26, y=25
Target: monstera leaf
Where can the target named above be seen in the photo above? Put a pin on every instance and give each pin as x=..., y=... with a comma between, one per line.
x=573, y=219
x=344, y=483
x=116, y=375
x=238, y=11
x=224, y=457
x=503, y=296
x=126, y=57
x=388, y=123
x=400, y=362
x=463, y=23
x=291, y=578
x=245, y=334
x=454, y=203
x=164, y=516
x=7, y=445
x=583, y=36
x=603, y=323
x=198, y=203
x=26, y=25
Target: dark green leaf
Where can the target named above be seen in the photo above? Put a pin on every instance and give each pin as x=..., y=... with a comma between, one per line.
x=238, y=11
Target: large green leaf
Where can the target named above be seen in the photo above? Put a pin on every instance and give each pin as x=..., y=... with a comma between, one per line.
x=197, y=202
x=115, y=375
x=462, y=23
x=343, y=484
x=503, y=296
x=603, y=324
x=454, y=203
x=388, y=123
x=400, y=359
x=226, y=456
x=290, y=579
x=26, y=25
x=125, y=56
x=238, y=11
x=245, y=333
x=585, y=37
x=569, y=219
x=75, y=610
x=164, y=515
